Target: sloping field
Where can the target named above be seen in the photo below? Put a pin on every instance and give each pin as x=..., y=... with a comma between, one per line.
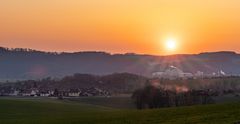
x=50, y=111
x=112, y=102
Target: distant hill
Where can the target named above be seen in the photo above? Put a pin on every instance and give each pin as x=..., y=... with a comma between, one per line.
x=17, y=64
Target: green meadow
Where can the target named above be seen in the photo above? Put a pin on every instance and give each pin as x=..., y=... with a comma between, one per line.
x=52, y=111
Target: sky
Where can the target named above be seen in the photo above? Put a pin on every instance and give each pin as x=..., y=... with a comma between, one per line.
x=121, y=26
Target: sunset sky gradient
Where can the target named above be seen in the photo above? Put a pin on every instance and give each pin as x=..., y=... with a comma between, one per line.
x=120, y=26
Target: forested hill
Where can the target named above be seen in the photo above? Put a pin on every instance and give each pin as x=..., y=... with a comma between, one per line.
x=31, y=64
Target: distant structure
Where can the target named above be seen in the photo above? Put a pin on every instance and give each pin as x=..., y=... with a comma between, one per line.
x=220, y=73
x=172, y=72
x=199, y=74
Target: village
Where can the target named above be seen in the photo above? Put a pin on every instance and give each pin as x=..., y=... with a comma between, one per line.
x=93, y=91
x=105, y=88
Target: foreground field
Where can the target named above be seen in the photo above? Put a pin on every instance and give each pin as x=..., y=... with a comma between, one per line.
x=111, y=102
x=50, y=111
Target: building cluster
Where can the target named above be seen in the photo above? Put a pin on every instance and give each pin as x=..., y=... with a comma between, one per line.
x=93, y=91
x=173, y=72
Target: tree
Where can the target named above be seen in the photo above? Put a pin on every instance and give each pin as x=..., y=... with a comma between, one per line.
x=56, y=92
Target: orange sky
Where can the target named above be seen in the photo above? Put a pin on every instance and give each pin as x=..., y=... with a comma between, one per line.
x=120, y=26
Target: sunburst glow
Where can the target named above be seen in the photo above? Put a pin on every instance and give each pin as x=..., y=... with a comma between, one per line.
x=171, y=44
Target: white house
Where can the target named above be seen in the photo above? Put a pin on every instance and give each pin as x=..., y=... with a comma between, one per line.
x=73, y=94
x=44, y=94
x=15, y=93
x=33, y=93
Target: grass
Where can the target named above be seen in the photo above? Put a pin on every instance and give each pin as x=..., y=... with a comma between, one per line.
x=50, y=111
x=112, y=102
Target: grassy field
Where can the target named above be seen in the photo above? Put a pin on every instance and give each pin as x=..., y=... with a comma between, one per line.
x=112, y=102
x=51, y=111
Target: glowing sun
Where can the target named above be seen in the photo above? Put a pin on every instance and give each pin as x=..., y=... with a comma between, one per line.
x=171, y=44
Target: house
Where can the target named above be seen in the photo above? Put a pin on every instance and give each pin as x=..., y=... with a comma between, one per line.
x=34, y=93
x=74, y=93
x=86, y=94
x=15, y=93
x=44, y=93
x=26, y=93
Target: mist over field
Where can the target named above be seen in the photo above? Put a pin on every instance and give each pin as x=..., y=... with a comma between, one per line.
x=22, y=64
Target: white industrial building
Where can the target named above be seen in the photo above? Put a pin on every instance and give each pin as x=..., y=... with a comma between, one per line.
x=172, y=72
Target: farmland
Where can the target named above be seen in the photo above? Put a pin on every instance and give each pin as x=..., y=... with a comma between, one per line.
x=53, y=111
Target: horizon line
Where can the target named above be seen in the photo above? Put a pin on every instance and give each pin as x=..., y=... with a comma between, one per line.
x=115, y=53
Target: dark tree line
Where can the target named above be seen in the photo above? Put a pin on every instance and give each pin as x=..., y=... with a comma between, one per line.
x=152, y=97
